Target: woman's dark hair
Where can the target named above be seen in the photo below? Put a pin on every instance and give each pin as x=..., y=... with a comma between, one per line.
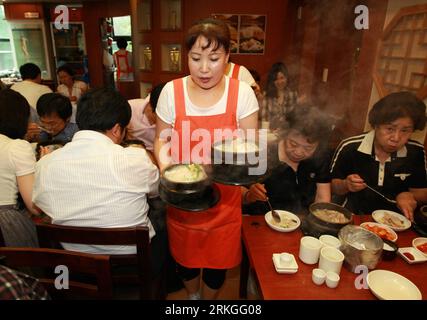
x=100, y=110
x=65, y=68
x=14, y=114
x=155, y=94
x=398, y=105
x=50, y=103
x=277, y=67
x=310, y=122
x=214, y=30
x=29, y=71
x=121, y=43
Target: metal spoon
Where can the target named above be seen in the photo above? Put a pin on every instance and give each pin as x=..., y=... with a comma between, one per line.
x=379, y=193
x=276, y=216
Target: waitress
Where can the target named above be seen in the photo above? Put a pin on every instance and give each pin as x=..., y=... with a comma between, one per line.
x=205, y=100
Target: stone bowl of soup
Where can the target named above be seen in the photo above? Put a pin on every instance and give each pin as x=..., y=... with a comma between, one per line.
x=185, y=178
x=235, y=161
x=327, y=218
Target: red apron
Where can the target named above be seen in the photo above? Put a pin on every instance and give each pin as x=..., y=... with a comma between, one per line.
x=211, y=238
x=119, y=70
x=235, y=73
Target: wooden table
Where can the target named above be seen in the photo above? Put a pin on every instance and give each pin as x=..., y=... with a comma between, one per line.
x=260, y=242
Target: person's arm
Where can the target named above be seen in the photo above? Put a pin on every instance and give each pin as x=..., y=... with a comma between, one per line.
x=256, y=192
x=161, y=144
x=249, y=122
x=25, y=187
x=406, y=202
x=352, y=183
x=323, y=192
x=420, y=194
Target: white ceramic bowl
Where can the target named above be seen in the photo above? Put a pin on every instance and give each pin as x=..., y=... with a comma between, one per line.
x=417, y=242
x=387, y=285
x=398, y=221
x=318, y=276
x=285, y=216
x=332, y=279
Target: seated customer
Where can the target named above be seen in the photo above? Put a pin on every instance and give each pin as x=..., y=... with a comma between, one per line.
x=17, y=166
x=299, y=165
x=55, y=111
x=142, y=125
x=93, y=181
x=384, y=159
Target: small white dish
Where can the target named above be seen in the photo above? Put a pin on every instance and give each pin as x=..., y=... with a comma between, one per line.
x=286, y=217
x=394, y=220
x=332, y=279
x=417, y=242
x=411, y=255
x=387, y=285
x=318, y=276
x=282, y=266
x=381, y=230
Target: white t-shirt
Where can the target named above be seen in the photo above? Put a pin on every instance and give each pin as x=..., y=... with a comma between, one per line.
x=77, y=91
x=246, y=103
x=32, y=92
x=16, y=159
x=244, y=74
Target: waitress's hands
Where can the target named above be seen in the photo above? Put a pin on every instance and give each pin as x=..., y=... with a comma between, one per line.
x=257, y=192
x=354, y=183
x=407, y=204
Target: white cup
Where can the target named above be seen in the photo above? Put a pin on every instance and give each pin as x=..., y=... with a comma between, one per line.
x=318, y=276
x=332, y=279
x=285, y=260
x=309, y=250
x=330, y=241
x=331, y=259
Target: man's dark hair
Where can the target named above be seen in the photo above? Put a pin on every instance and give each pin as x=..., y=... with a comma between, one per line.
x=51, y=103
x=29, y=71
x=65, y=68
x=121, y=43
x=100, y=110
x=155, y=94
x=14, y=114
x=398, y=105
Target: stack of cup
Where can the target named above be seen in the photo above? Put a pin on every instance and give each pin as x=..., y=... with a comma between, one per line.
x=324, y=250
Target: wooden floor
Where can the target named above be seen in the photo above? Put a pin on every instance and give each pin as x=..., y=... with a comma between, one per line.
x=229, y=291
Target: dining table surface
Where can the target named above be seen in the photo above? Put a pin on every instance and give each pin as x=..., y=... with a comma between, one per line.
x=260, y=242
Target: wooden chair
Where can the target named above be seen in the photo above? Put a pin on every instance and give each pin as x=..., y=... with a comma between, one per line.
x=94, y=267
x=50, y=236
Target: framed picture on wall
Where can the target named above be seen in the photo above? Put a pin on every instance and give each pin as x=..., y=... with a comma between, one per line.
x=247, y=32
x=252, y=34
x=232, y=20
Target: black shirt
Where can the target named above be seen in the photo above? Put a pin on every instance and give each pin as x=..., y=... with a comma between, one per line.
x=403, y=170
x=290, y=190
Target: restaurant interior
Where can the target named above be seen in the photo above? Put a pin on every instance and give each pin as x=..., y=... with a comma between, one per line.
x=342, y=56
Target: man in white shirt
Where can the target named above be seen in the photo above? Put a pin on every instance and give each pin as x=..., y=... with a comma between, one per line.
x=94, y=182
x=31, y=87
